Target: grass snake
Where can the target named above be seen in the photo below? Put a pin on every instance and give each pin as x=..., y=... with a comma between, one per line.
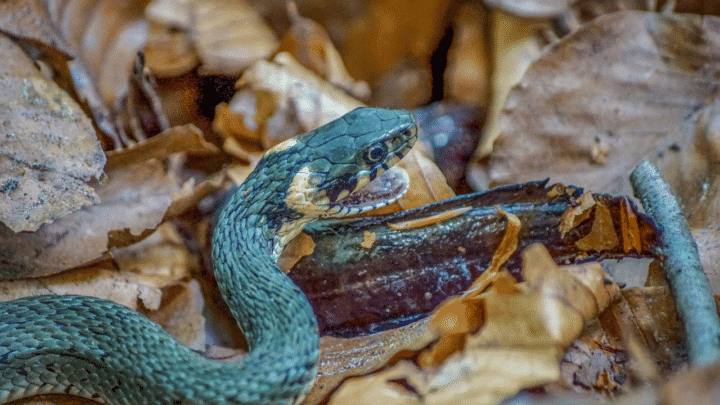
x=104, y=351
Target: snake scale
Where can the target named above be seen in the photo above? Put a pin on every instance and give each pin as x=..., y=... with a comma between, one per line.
x=100, y=350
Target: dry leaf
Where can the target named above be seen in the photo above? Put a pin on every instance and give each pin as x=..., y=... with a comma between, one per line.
x=343, y=358
x=161, y=254
x=602, y=236
x=302, y=245
x=168, y=51
x=309, y=43
x=693, y=174
x=522, y=328
x=577, y=214
x=29, y=20
x=368, y=239
x=298, y=96
x=123, y=288
x=134, y=200
x=626, y=80
x=389, y=32
x=708, y=243
x=106, y=36
x=181, y=314
x=229, y=36
x=186, y=138
x=427, y=221
x=466, y=76
x=49, y=147
x=517, y=47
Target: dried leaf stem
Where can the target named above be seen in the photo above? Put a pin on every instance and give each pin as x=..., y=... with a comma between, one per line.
x=688, y=282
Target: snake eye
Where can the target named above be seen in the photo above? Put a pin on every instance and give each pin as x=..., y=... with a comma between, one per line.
x=376, y=153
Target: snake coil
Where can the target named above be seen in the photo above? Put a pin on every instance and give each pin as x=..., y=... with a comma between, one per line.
x=100, y=350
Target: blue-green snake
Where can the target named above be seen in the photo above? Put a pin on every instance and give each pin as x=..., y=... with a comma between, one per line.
x=100, y=350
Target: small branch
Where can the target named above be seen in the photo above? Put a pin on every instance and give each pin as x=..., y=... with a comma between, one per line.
x=688, y=282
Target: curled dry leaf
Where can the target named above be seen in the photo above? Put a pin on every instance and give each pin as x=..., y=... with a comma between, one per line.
x=423, y=222
x=628, y=81
x=532, y=8
x=124, y=288
x=184, y=138
x=168, y=51
x=29, y=20
x=310, y=44
x=105, y=36
x=134, y=200
x=275, y=95
x=49, y=147
x=466, y=78
x=577, y=214
x=302, y=245
x=229, y=36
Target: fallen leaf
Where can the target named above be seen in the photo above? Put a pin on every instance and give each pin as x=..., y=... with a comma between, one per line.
x=185, y=138
x=627, y=80
x=309, y=43
x=49, y=147
x=229, y=36
x=297, y=93
x=134, y=199
x=577, y=214
x=602, y=236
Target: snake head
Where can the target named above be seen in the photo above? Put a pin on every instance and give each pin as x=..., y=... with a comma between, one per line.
x=347, y=154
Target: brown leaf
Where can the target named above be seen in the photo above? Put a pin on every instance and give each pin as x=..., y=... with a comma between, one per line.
x=298, y=96
x=168, y=51
x=135, y=198
x=602, y=236
x=466, y=78
x=29, y=20
x=230, y=36
x=626, y=81
x=309, y=43
x=185, y=138
x=342, y=358
x=123, y=288
x=708, y=243
x=574, y=216
x=49, y=147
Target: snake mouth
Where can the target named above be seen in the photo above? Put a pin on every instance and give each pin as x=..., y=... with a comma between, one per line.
x=385, y=189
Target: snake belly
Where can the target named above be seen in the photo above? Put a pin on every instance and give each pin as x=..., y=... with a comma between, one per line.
x=100, y=350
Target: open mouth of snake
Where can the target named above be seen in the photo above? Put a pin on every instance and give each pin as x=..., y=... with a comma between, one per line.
x=383, y=190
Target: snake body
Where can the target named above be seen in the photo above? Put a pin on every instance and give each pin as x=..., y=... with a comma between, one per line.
x=100, y=350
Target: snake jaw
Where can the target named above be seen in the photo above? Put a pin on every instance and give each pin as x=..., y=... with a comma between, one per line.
x=385, y=189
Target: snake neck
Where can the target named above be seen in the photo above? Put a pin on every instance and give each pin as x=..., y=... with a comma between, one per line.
x=269, y=308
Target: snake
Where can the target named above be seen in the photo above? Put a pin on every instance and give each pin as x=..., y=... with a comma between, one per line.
x=103, y=351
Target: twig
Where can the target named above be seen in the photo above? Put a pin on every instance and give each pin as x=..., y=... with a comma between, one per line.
x=688, y=283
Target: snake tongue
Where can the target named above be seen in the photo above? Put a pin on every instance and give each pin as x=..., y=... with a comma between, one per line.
x=385, y=189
